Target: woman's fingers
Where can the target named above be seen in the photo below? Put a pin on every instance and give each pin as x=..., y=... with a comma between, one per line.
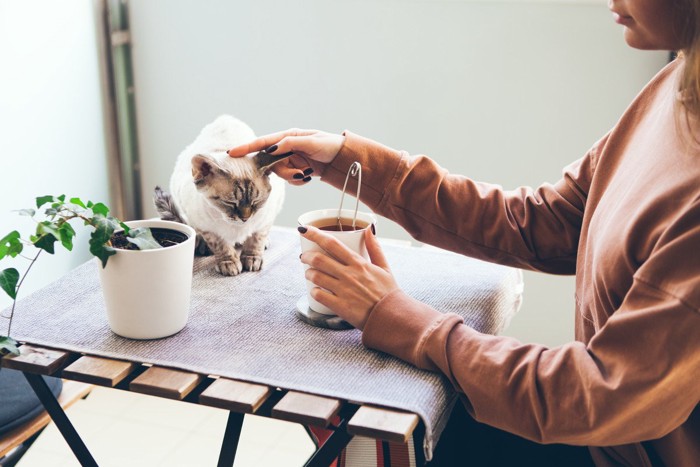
x=374, y=250
x=289, y=172
x=265, y=142
x=294, y=169
x=329, y=244
x=326, y=298
x=321, y=279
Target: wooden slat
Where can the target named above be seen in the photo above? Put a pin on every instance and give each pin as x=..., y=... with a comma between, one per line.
x=98, y=370
x=307, y=409
x=237, y=396
x=165, y=382
x=36, y=360
x=71, y=392
x=385, y=424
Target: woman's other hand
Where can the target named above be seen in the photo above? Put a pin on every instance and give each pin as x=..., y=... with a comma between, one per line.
x=346, y=282
x=312, y=149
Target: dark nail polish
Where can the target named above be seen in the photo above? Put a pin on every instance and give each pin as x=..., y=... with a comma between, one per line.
x=374, y=231
x=298, y=176
x=271, y=149
x=307, y=179
x=302, y=229
x=308, y=171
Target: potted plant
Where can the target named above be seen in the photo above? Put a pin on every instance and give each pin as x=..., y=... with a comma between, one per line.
x=131, y=254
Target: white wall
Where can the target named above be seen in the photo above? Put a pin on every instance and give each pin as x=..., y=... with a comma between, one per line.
x=51, y=130
x=505, y=92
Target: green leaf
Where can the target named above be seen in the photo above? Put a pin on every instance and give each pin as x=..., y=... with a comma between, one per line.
x=26, y=212
x=61, y=198
x=78, y=202
x=102, y=252
x=41, y=200
x=100, y=208
x=104, y=228
x=124, y=226
x=143, y=238
x=51, y=211
x=47, y=227
x=46, y=243
x=89, y=204
x=8, y=345
x=8, y=281
x=66, y=234
x=11, y=245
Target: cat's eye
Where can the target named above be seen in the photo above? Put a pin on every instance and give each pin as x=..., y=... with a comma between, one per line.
x=215, y=198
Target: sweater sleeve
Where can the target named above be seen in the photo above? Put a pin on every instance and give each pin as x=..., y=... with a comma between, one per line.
x=531, y=229
x=637, y=379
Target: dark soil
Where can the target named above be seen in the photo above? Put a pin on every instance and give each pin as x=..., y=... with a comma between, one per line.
x=165, y=237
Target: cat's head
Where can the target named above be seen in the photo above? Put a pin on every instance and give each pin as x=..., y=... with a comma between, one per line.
x=238, y=187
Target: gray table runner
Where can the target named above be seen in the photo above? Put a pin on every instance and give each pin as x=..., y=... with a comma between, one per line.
x=245, y=327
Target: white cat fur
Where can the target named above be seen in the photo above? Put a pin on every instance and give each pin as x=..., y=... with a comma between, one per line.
x=214, y=140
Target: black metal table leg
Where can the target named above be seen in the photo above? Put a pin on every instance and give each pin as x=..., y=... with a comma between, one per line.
x=386, y=453
x=60, y=419
x=229, y=446
x=331, y=449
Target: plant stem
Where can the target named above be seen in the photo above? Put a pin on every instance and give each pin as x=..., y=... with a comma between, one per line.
x=14, y=302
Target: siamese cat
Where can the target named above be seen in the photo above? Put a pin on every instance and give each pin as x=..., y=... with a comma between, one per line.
x=230, y=202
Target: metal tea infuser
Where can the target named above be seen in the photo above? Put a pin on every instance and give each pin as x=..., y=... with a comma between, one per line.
x=355, y=170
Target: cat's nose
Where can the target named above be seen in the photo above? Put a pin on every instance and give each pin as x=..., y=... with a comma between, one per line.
x=245, y=214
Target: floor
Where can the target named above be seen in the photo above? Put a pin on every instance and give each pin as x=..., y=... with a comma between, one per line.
x=123, y=428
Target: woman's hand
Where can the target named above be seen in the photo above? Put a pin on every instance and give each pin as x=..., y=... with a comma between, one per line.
x=312, y=149
x=346, y=282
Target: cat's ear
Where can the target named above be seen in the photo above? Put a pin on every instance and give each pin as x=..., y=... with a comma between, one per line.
x=265, y=161
x=203, y=167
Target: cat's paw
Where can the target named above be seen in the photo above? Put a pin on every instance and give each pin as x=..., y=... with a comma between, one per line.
x=229, y=267
x=252, y=262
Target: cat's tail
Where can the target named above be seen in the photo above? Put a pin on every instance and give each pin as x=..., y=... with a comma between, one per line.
x=165, y=206
x=168, y=212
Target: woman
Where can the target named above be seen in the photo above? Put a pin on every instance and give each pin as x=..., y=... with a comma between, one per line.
x=625, y=219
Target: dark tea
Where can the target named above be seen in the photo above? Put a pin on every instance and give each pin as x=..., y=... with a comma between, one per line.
x=344, y=224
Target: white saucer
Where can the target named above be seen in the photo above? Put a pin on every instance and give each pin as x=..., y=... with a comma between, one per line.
x=320, y=320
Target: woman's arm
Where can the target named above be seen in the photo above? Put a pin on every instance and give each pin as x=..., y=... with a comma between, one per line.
x=533, y=229
x=637, y=379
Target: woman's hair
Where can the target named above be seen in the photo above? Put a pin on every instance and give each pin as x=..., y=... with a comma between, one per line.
x=689, y=85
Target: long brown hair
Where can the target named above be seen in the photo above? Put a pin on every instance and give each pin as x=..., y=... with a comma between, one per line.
x=689, y=84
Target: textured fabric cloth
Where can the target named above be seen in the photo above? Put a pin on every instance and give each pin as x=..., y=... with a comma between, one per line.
x=626, y=220
x=245, y=327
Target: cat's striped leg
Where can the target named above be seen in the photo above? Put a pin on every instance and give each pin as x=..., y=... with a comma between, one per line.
x=253, y=248
x=227, y=257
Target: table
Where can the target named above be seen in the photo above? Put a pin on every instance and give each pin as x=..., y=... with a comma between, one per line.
x=244, y=350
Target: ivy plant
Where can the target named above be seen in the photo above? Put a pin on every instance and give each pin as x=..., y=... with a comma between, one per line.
x=53, y=216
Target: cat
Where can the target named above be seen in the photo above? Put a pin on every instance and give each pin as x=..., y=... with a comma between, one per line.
x=230, y=202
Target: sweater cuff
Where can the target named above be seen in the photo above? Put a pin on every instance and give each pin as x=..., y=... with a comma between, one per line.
x=410, y=330
x=379, y=165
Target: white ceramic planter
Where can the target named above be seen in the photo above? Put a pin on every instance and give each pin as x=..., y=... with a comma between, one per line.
x=147, y=293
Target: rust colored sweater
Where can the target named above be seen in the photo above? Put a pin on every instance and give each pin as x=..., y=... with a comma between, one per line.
x=626, y=220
